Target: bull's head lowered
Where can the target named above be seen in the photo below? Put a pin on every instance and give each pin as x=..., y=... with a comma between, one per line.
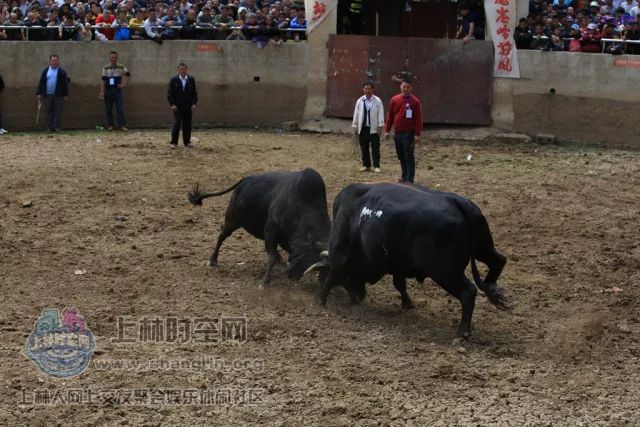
x=305, y=252
x=333, y=277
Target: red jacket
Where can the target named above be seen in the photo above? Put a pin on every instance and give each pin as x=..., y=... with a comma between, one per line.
x=397, y=114
x=108, y=32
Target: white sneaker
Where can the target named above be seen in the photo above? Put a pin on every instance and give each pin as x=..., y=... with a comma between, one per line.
x=365, y=169
x=3, y=131
x=377, y=170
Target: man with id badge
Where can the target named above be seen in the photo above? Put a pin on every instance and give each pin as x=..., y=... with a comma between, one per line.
x=115, y=76
x=405, y=116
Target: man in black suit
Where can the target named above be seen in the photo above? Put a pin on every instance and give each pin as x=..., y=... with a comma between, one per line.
x=54, y=88
x=183, y=98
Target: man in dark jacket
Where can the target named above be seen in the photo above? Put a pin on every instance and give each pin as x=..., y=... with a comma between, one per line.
x=54, y=88
x=182, y=97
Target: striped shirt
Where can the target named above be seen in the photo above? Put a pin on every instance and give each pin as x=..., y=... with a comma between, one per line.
x=112, y=75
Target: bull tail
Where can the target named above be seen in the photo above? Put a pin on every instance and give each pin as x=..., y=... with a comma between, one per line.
x=480, y=236
x=196, y=195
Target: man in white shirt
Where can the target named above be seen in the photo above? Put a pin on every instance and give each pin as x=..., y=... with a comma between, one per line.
x=368, y=122
x=152, y=27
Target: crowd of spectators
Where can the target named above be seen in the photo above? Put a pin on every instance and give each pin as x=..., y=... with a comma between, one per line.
x=261, y=21
x=580, y=26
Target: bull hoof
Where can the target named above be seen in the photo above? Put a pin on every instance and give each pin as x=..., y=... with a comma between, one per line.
x=212, y=263
x=408, y=306
x=261, y=286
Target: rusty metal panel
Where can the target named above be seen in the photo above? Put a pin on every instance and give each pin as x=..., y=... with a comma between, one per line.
x=347, y=69
x=454, y=81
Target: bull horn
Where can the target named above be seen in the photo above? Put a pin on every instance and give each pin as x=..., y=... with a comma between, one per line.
x=324, y=253
x=316, y=266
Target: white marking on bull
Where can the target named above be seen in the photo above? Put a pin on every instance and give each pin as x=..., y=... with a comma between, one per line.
x=366, y=213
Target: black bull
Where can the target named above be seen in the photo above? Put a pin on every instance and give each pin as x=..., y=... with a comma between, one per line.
x=288, y=209
x=409, y=231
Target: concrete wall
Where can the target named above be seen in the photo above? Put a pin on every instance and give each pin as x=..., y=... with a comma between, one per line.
x=224, y=72
x=575, y=96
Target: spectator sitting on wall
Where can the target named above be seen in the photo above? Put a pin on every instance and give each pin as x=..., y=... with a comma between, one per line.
x=17, y=33
x=135, y=25
x=104, y=21
x=188, y=30
x=591, y=40
x=237, y=34
x=633, y=34
x=250, y=27
x=522, y=35
x=224, y=20
x=120, y=27
x=205, y=20
x=615, y=48
x=152, y=27
x=470, y=26
x=172, y=19
x=538, y=40
x=33, y=20
x=575, y=36
x=555, y=43
x=272, y=30
x=566, y=26
x=70, y=29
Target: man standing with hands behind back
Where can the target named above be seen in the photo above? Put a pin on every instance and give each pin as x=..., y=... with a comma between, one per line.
x=368, y=121
x=183, y=98
x=405, y=116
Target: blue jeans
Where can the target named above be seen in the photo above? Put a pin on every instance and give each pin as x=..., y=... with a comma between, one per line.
x=114, y=96
x=404, y=149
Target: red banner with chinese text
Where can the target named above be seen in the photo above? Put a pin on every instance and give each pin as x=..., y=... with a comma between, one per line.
x=501, y=21
x=316, y=11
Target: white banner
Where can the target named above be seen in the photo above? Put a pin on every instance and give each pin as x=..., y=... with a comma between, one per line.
x=316, y=11
x=501, y=21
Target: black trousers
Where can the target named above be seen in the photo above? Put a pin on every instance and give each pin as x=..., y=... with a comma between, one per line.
x=181, y=119
x=367, y=138
x=114, y=96
x=404, y=150
x=53, y=105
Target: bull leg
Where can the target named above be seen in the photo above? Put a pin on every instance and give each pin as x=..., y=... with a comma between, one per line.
x=400, y=283
x=271, y=245
x=357, y=291
x=227, y=228
x=324, y=293
x=465, y=292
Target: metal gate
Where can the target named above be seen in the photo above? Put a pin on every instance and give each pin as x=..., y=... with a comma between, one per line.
x=454, y=81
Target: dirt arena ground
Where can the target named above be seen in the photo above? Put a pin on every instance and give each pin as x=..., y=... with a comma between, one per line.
x=113, y=206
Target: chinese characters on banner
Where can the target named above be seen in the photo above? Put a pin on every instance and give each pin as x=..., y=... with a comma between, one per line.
x=316, y=11
x=501, y=20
